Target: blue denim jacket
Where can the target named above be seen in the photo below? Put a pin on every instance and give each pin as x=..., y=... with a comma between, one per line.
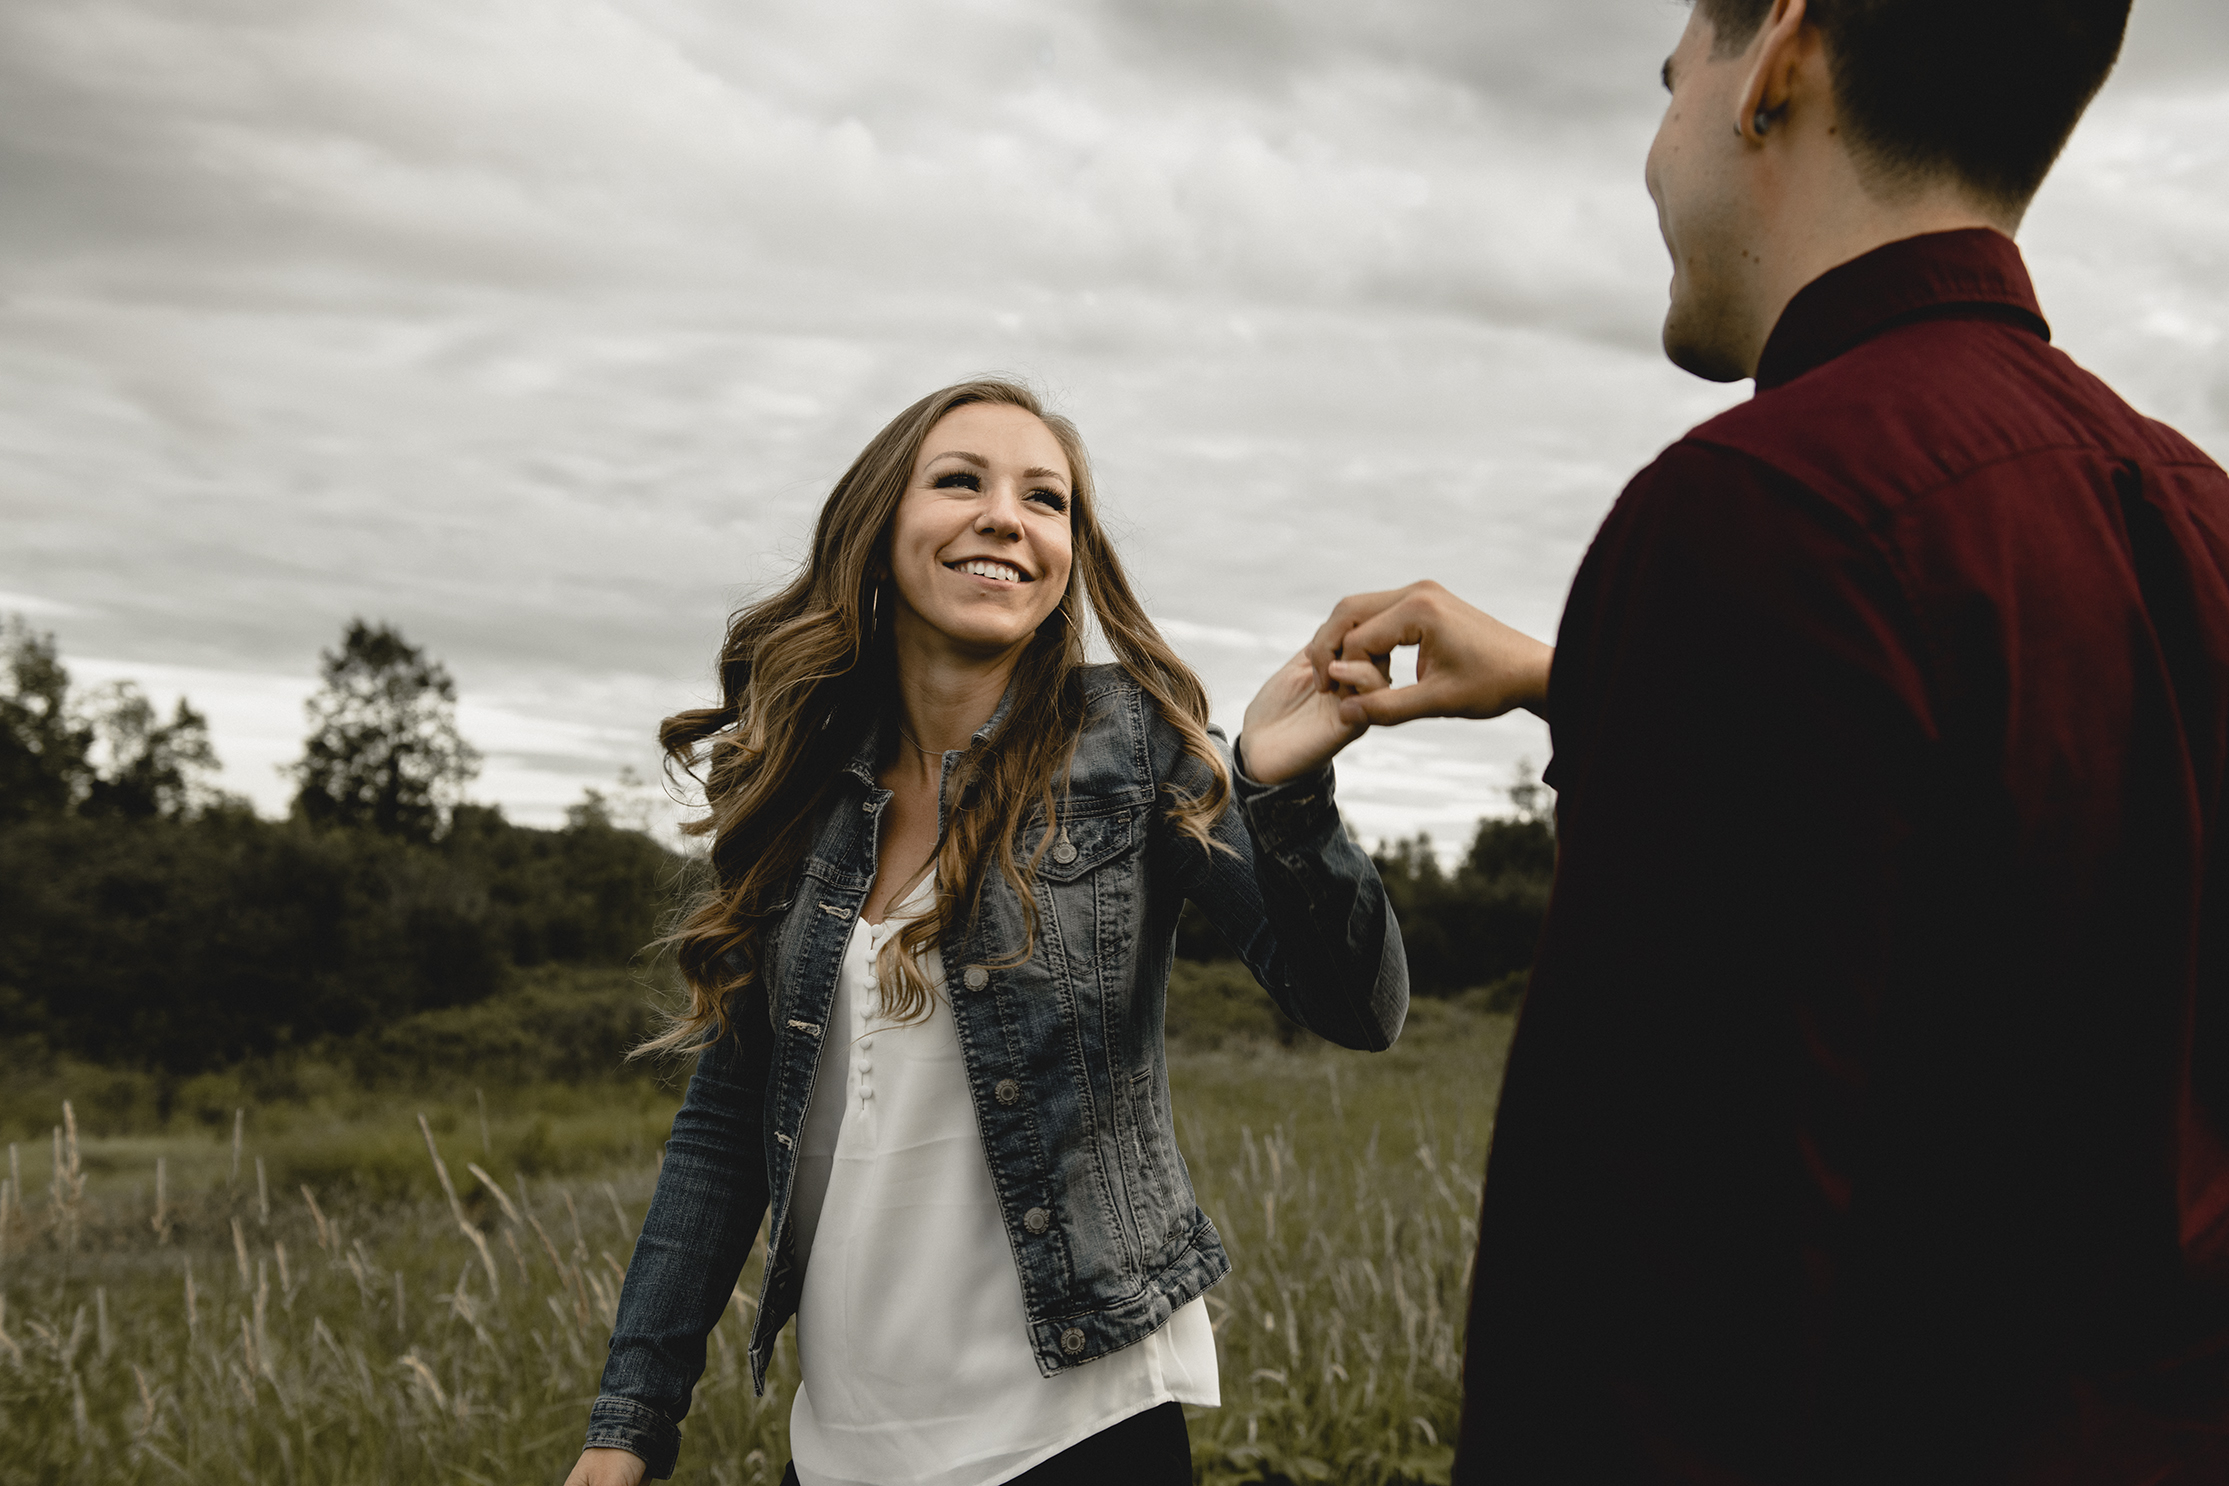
x=1063, y=1051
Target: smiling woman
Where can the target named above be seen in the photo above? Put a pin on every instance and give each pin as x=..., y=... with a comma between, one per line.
x=928, y=979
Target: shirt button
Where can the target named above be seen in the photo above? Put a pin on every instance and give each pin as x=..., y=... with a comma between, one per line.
x=1037, y=1220
x=1008, y=1091
x=1064, y=853
x=977, y=977
x=1072, y=1341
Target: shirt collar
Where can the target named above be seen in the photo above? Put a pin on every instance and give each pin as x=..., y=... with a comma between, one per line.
x=1972, y=269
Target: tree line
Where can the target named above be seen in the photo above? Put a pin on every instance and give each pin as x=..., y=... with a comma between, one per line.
x=1468, y=928
x=148, y=919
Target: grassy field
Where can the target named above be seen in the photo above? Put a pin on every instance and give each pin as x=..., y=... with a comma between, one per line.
x=323, y=1289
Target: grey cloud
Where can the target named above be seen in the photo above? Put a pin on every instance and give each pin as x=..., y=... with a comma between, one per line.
x=541, y=331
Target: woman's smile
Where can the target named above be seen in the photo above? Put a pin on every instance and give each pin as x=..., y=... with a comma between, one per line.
x=997, y=573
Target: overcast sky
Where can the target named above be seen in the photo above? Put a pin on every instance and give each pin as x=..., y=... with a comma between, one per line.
x=540, y=330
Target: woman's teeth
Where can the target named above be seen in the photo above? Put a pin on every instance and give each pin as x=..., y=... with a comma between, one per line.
x=999, y=570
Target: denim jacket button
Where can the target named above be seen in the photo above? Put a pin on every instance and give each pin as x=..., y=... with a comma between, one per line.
x=1008, y=1091
x=1072, y=1341
x=1065, y=852
x=977, y=977
x=1037, y=1220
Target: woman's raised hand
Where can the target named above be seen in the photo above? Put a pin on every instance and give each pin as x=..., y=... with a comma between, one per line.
x=607, y=1468
x=1293, y=727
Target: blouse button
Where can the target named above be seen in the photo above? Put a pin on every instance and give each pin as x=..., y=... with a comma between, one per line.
x=1037, y=1220
x=977, y=977
x=1065, y=852
x=1072, y=1341
x=1008, y=1091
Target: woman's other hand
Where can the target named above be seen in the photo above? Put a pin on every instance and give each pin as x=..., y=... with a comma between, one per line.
x=607, y=1468
x=1468, y=663
x=1293, y=728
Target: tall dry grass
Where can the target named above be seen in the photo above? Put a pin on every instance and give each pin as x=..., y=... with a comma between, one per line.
x=230, y=1329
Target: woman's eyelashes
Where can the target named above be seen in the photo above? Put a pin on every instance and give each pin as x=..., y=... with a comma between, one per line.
x=1051, y=499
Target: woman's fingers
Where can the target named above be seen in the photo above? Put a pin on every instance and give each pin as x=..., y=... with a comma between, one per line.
x=1354, y=676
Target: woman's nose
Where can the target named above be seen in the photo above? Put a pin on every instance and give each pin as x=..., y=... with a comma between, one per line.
x=1002, y=511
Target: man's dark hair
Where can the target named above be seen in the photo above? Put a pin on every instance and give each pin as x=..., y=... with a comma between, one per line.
x=1983, y=90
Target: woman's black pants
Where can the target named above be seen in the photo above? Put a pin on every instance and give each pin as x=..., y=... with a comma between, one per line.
x=1149, y=1449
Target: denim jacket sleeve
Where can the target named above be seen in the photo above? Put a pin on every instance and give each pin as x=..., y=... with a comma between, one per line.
x=1298, y=899
x=703, y=1218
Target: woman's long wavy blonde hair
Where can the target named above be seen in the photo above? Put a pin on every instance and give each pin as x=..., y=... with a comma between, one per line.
x=805, y=673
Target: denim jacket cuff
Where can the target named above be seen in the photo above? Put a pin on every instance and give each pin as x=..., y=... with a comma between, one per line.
x=617, y=1423
x=1286, y=815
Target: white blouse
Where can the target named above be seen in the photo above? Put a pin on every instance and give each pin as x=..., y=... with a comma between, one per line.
x=911, y=1333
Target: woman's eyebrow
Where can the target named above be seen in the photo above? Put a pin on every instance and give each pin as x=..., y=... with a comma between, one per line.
x=1034, y=472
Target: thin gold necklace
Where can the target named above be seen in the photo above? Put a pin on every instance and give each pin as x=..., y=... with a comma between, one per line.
x=917, y=748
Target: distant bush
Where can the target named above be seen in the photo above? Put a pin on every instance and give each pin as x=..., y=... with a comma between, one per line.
x=562, y=1025
x=186, y=945
x=1216, y=1002
x=1475, y=926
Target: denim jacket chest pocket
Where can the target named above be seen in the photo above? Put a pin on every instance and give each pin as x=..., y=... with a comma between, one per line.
x=1089, y=880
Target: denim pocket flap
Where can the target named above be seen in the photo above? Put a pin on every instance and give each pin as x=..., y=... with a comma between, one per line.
x=1083, y=844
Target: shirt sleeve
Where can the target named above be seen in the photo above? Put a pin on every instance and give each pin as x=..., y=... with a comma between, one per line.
x=1742, y=733
x=1295, y=896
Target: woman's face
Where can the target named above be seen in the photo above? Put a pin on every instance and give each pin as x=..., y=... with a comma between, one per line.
x=979, y=550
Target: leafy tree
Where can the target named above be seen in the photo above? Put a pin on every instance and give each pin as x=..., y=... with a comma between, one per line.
x=384, y=752
x=153, y=768
x=43, y=745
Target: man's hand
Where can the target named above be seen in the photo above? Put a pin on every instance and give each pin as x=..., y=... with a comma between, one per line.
x=607, y=1468
x=1468, y=664
x=1292, y=728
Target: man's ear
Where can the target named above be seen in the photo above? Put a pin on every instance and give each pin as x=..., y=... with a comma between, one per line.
x=1783, y=42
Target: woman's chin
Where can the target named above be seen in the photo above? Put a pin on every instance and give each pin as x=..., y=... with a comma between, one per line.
x=978, y=642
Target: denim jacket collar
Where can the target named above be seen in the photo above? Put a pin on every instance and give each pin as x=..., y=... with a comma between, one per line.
x=868, y=755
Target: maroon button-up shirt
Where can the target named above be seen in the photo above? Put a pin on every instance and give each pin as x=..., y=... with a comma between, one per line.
x=1866, y=1122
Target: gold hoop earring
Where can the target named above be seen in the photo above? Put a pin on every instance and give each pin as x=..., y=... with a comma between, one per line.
x=874, y=614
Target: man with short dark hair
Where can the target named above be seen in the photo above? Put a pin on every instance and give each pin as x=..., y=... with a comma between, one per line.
x=1869, y=1117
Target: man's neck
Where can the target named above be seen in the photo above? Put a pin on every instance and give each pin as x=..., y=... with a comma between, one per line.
x=1828, y=214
